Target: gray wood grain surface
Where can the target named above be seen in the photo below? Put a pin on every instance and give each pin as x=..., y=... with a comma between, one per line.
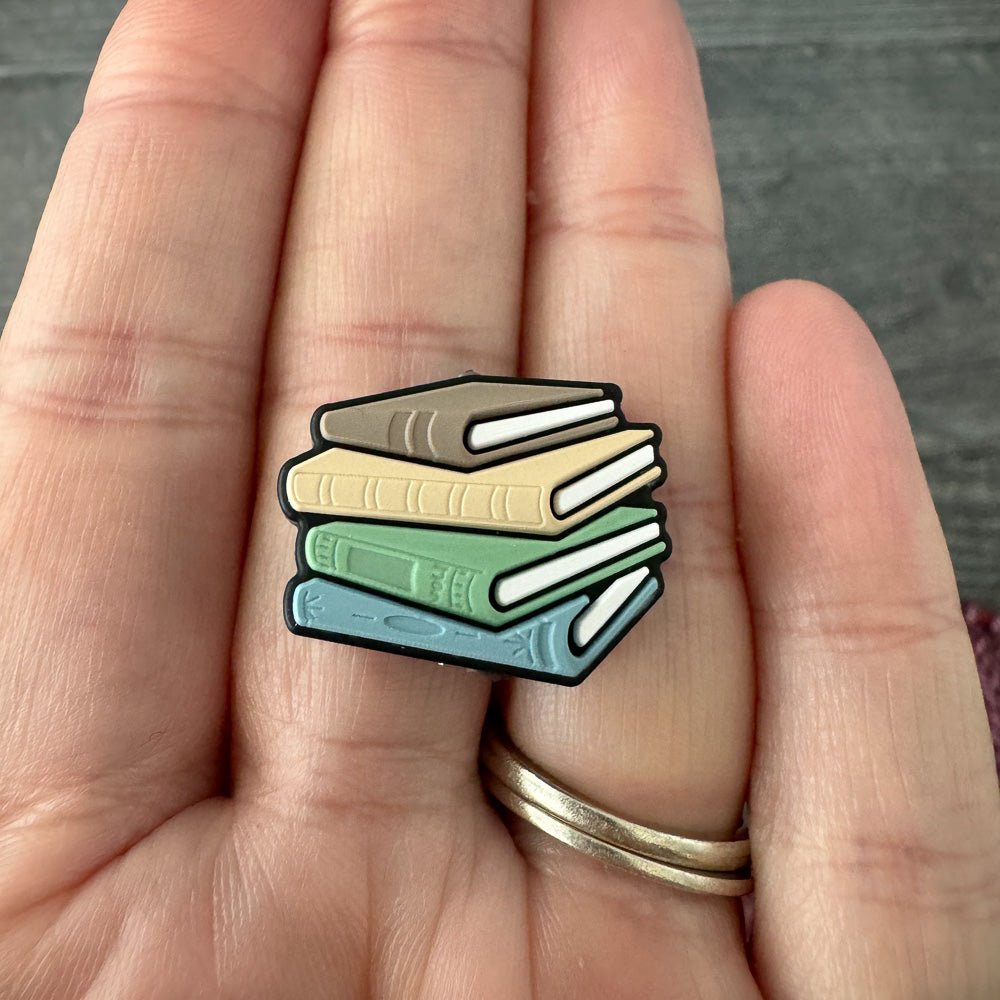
x=858, y=144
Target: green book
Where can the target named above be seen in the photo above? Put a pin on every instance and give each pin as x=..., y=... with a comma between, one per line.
x=490, y=579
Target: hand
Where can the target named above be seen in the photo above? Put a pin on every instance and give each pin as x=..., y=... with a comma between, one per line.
x=195, y=802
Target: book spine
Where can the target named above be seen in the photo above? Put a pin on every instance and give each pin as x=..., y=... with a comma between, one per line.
x=409, y=433
x=451, y=501
x=449, y=587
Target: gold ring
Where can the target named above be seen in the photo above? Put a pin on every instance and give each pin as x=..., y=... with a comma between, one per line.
x=514, y=770
x=705, y=866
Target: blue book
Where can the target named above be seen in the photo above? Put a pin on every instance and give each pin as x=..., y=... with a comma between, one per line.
x=561, y=644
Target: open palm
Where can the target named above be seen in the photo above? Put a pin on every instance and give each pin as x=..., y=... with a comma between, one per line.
x=268, y=206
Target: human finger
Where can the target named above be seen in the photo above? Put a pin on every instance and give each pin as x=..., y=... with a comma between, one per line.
x=875, y=814
x=129, y=373
x=627, y=281
x=403, y=264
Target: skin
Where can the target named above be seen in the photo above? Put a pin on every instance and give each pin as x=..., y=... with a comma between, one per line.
x=261, y=211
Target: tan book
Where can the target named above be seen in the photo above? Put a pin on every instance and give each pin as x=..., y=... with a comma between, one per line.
x=472, y=421
x=543, y=494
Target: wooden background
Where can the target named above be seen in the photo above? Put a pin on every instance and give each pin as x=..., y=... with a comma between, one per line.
x=858, y=143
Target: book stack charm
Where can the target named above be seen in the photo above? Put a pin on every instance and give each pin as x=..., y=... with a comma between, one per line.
x=502, y=524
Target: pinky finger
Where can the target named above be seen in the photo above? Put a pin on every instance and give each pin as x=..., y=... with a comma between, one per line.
x=874, y=804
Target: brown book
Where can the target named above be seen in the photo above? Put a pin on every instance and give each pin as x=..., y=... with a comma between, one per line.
x=472, y=421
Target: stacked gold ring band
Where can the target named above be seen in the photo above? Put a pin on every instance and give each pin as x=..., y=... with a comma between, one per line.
x=705, y=866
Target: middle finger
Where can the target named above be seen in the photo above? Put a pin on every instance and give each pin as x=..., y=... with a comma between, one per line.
x=403, y=264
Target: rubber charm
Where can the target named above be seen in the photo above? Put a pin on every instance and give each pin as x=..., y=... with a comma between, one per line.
x=501, y=524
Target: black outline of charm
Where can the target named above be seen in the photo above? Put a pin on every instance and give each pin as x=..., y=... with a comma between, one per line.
x=641, y=497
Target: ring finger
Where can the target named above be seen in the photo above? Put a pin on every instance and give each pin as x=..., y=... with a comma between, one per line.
x=628, y=282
